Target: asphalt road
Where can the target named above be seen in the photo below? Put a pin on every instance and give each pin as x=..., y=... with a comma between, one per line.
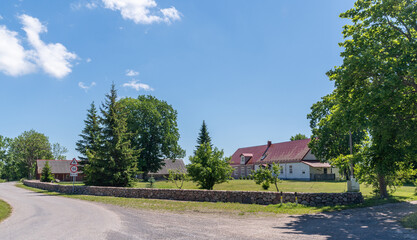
x=39, y=216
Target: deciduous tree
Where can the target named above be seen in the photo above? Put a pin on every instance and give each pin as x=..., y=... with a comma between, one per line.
x=376, y=85
x=153, y=124
x=30, y=146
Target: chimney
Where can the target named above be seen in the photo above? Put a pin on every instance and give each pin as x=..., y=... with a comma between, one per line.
x=269, y=143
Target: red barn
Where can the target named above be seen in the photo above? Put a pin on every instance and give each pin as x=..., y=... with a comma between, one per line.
x=59, y=168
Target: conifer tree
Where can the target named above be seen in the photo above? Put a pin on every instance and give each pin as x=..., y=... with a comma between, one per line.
x=114, y=164
x=203, y=136
x=90, y=136
x=47, y=173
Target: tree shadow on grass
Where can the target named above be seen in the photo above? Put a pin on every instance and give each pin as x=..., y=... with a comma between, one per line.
x=379, y=222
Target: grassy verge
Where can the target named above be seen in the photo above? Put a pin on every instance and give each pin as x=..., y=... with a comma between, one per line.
x=5, y=210
x=208, y=207
x=410, y=221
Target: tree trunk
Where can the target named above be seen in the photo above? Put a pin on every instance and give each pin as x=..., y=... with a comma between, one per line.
x=382, y=186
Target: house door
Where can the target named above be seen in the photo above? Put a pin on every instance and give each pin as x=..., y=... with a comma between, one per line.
x=325, y=170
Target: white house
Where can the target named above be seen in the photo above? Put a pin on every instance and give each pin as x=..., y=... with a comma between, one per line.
x=294, y=157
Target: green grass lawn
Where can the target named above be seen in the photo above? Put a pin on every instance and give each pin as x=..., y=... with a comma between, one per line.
x=5, y=210
x=410, y=221
x=405, y=193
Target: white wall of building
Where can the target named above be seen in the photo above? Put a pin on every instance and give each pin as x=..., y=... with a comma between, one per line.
x=300, y=171
x=309, y=156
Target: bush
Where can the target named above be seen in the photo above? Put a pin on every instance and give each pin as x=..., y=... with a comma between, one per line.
x=265, y=185
x=151, y=182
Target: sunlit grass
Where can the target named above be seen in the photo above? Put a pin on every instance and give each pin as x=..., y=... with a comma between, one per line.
x=5, y=210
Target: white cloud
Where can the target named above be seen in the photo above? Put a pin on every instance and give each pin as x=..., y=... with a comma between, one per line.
x=85, y=87
x=88, y=60
x=139, y=11
x=131, y=73
x=1, y=17
x=53, y=58
x=14, y=59
x=171, y=14
x=138, y=86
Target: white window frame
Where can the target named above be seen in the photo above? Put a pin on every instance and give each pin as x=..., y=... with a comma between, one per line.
x=290, y=169
x=242, y=160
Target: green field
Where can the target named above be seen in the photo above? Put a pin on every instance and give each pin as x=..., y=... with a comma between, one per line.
x=405, y=193
x=5, y=210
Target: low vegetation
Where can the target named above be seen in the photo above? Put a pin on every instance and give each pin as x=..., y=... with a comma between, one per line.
x=402, y=194
x=5, y=210
x=410, y=221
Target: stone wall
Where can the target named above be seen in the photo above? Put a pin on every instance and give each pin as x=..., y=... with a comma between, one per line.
x=264, y=198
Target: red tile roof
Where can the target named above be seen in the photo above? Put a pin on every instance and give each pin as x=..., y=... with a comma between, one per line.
x=292, y=151
x=256, y=152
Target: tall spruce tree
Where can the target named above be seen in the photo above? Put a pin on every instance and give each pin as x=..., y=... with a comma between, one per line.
x=203, y=136
x=47, y=175
x=114, y=164
x=90, y=136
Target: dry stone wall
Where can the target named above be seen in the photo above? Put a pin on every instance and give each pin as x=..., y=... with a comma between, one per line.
x=264, y=198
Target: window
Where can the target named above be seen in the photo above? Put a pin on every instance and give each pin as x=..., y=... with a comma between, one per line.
x=290, y=168
x=242, y=160
x=325, y=170
x=242, y=171
x=282, y=170
x=304, y=172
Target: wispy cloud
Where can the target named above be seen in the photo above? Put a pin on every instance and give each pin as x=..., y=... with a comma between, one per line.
x=1, y=17
x=143, y=11
x=88, y=60
x=15, y=60
x=91, y=5
x=138, y=86
x=82, y=4
x=85, y=87
x=131, y=73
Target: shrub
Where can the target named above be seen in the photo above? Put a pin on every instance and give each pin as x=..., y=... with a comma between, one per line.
x=151, y=182
x=265, y=185
x=265, y=176
x=177, y=177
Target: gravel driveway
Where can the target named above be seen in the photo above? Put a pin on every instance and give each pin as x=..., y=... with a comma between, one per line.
x=39, y=216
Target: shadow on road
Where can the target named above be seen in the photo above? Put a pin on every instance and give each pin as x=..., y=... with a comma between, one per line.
x=380, y=222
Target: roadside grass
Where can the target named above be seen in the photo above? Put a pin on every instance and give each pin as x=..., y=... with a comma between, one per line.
x=410, y=221
x=5, y=210
x=225, y=208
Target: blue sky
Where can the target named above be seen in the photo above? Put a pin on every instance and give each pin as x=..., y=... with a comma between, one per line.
x=250, y=69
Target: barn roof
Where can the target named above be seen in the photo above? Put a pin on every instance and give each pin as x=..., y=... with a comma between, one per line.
x=57, y=166
x=177, y=164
